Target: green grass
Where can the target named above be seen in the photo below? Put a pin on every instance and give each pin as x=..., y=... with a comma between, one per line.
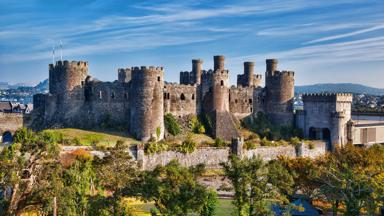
x=224, y=207
x=88, y=138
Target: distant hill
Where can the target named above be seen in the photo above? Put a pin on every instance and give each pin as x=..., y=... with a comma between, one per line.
x=42, y=86
x=339, y=87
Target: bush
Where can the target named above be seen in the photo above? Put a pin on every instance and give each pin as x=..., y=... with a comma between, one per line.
x=155, y=147
x=171, y=124
x=311, y=145
x=220, y=143
x=196, y=126
x=188, y=146
x=250, y=145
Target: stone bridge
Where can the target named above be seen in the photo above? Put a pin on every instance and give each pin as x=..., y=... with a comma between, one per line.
x=9, y=123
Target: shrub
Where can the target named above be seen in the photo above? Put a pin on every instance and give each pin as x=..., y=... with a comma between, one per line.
x=188, y=146
x=76, y=141
x=155, y=147
x=171, y=124
x=250, y=145
x=196, y=125
x=220, y=143
x=311, y=145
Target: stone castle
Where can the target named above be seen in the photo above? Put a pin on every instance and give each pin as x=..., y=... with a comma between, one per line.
x=138, y=100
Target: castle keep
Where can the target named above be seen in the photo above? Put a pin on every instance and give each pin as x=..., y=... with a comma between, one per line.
x=139, y=98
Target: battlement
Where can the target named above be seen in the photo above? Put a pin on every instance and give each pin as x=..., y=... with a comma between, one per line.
x=327, y=97
x=66, y=64
x=147, y=69
x=284, y=73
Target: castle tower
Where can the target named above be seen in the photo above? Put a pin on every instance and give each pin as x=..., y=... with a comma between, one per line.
x=218, y=62
x=220, y=85
x=196, y=70
x=124, y=75
x=147, y=111
x=271, y=67
x=65, y=76
x=248, y=73
x=279, y=87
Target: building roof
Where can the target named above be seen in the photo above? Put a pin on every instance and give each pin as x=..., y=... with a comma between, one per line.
x=5, y=106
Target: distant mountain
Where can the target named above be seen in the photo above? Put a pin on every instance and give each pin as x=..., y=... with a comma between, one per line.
x=3, y=85
x=42, y=86
x=339, y=87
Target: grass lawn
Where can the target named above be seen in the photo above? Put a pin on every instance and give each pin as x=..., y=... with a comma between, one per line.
x=87, y=138
x=224, y=207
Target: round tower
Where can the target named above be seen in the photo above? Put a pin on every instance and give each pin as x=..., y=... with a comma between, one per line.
x=147, y=111
x=196, y=70
x=271, y=66
x=220, y=90
x=65, y=76
x=218, y=62
x=248, y=73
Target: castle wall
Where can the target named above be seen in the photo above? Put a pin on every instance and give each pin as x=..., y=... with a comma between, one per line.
x=106, y=104
x=11, y=122
x=180, y=100
x=241, y=101
x=147, y=109
x=212, y=157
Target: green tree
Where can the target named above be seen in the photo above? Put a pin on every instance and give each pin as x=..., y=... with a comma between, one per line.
x=30, y=169
x=171, y=124
x=114, y=172
x=349, y=176
x=174, y=190
x=257, y=185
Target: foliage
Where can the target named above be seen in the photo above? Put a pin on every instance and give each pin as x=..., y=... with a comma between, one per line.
x=158, y=133
x=155, y=147
x=188, y=145
x=250, y=145
x=114, y=172
x=29, y=169
x=262, y=126
x=196, y=125
x=220, y=143
x=171, y=124
x=257, y=185
x=206, y=121
x=173, y=189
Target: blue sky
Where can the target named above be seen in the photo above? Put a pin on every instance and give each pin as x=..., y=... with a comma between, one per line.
x=321, y=40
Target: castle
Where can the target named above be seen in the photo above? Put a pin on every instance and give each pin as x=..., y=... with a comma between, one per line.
x=138, y=100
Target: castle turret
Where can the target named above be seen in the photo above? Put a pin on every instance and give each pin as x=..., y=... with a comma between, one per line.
x=124, y=75
x=248, y=73
x=279, y=93
x=65, y=76
x=147, y=112
x=220, y=85
x=271, y=66
x=218, y=62
x=196, y=70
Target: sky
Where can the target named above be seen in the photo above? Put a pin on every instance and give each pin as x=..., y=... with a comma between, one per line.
x=322, y=41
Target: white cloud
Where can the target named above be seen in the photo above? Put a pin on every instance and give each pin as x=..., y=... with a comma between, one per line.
x=339, y=36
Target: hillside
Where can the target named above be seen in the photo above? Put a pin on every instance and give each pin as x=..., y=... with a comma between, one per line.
x=339, y=87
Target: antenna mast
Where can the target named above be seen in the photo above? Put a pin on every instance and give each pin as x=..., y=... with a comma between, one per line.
x=53, y=55
x=61, y=51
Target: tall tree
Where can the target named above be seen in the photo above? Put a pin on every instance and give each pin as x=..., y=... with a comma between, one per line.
x=174, y=190
x=29, y=171
x=257, y=185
